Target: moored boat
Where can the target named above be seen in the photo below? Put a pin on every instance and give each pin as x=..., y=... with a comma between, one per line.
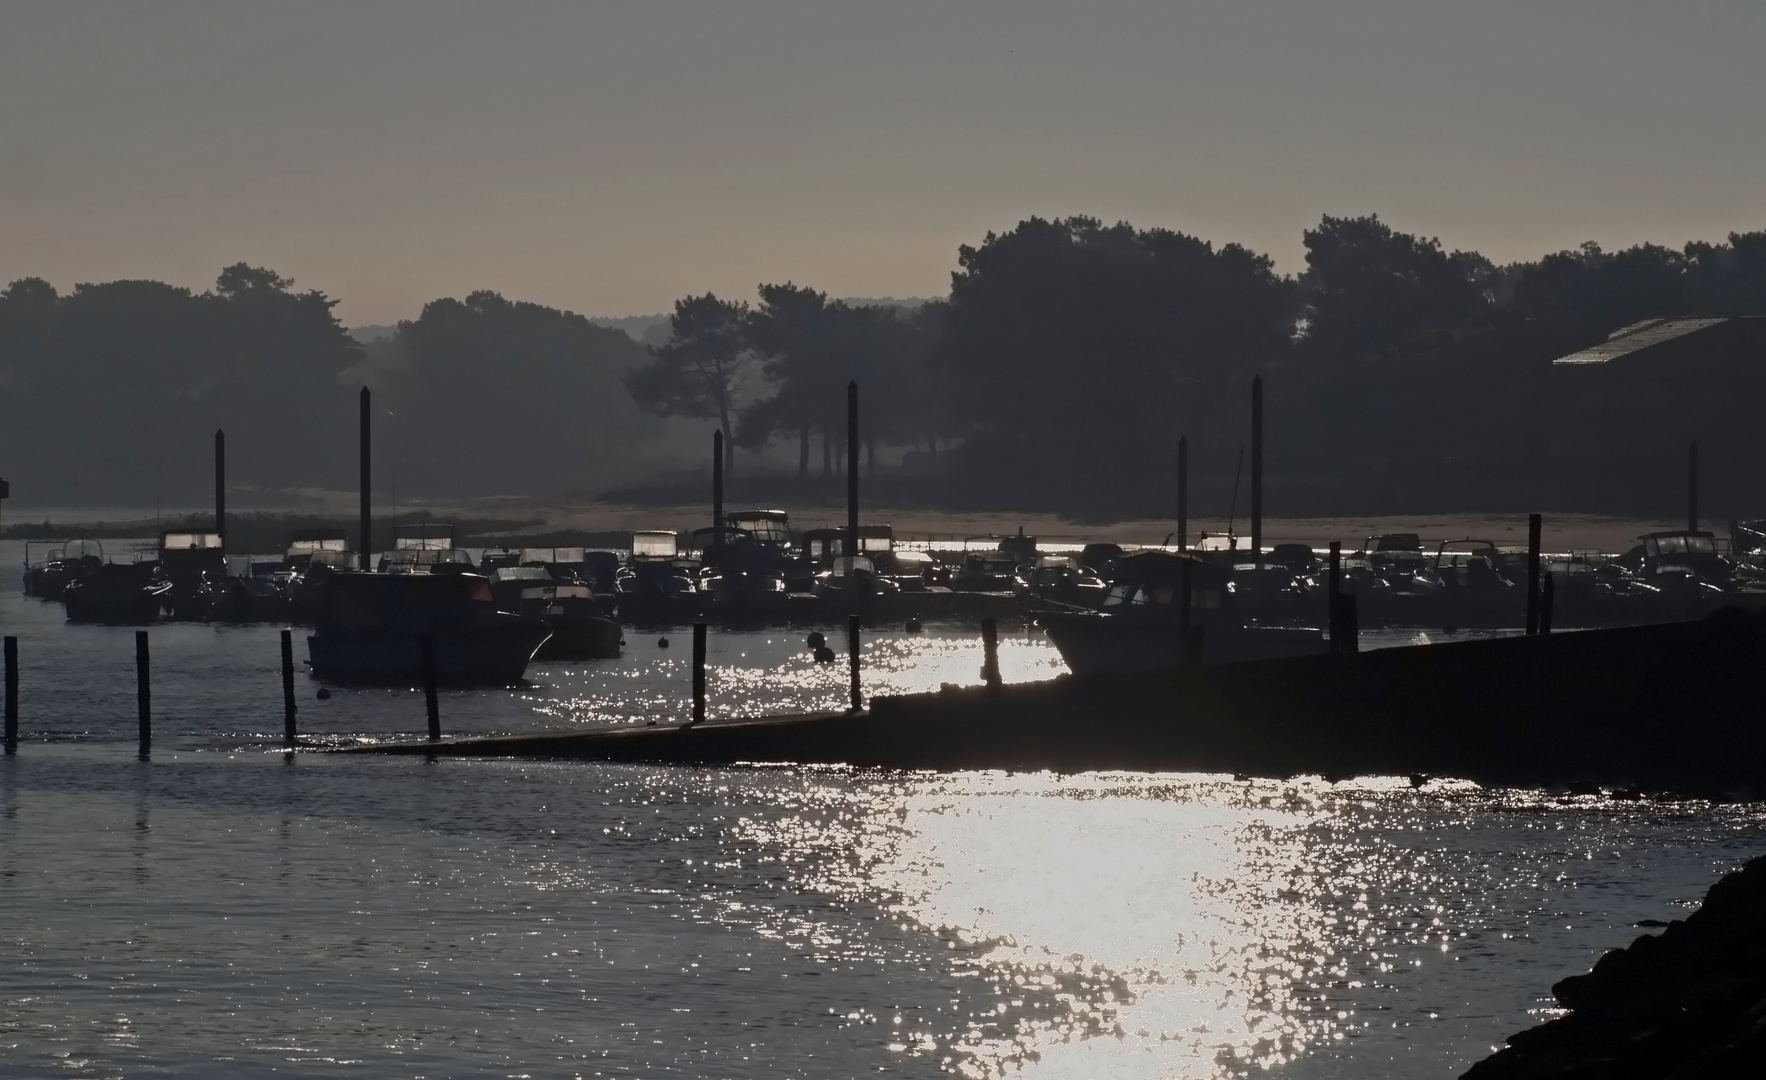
x=373, y=628
x=118, y=593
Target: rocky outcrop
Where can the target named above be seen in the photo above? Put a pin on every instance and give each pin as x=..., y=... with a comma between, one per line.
x=1687, y=1004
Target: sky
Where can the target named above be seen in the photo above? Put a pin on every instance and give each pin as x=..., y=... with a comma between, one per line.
x=610, y=158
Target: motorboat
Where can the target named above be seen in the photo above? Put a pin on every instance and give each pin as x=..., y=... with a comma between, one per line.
x=1058, y=582
x=569, y=608
x=118, y=593
x=375, y=627
x=743, y=577
x=195, y=562
x=58, y=562
x=313, y=555
x=1145, y=624
x=656, y=583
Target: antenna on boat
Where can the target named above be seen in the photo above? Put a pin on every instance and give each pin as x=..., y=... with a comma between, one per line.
x=1231, y=540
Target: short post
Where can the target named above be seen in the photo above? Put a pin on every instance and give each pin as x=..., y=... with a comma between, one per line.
x=1351, y=623
x=1334, y=598
x=1257, y=471
x=1185, y=589
x=429, y=702
x=852, y=626
x=990, y=653
x=143, y=693
x=1692, y=488
x=1533, y=523
x=288, y=732
x=1545, y=601
x=12, y=695
x=698, y=672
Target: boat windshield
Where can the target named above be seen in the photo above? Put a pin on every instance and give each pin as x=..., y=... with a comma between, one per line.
x=189, y=541
x=521, y=573
x=552, y=555
x=655, y=545
x=1681, y=544
x=765, y=526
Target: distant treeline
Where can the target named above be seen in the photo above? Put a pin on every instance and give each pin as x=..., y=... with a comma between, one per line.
x=1059, y=373
x=1071, y=356
x=110, y=394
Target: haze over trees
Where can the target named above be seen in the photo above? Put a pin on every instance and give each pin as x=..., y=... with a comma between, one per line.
x=1059, y=373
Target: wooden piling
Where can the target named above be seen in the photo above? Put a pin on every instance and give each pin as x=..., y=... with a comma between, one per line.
x=288, y=727
x=367, y=537
x=143, y=693
x=852, y=628
x=1257, y=471
x=990, y=653
x=1546, y=593
x=430, y=704
x=1533, y=525
x=1351, y=620
x=717, y=497
x=221, y=486
x=1334, y=598
x=1692, y=487
x=12, y=695
x=698, y=672
x=1183, y=493
x=852, y=489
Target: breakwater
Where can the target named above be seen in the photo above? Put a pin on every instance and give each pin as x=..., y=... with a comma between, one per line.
x=1666, y=708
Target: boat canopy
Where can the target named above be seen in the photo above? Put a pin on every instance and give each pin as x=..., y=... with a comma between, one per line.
x=189, y=541
x=425, y=537
x=655, y=545
x=1656, y=545
x=766, y=526
x=375, y=604
x=553, y=555
x=822, y=544
x=520, y=573
x=313, y=541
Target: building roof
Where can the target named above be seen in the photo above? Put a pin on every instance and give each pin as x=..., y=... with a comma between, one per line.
x=1635, y=338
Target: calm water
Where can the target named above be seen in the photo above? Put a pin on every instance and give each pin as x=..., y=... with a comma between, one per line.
x=223, y=911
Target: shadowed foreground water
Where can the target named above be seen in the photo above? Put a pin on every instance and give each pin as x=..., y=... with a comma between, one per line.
x=222, y=911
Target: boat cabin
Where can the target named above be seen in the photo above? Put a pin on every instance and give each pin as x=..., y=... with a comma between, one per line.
x=762, y=526
x=1155, y=579
x=1683, y=551
x=186, y=554
x=822, y=545
x=377, y=605
x=321, y=547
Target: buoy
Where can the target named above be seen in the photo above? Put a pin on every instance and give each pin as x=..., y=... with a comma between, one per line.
x=824, y=655
x=324, y=694
x=662, y=643
x=912, y=626
x=815, y=640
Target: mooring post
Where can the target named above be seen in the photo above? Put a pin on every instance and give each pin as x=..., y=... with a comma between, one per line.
x=430, y=704
x=221, y=486
x=367, y=521
x=990, y=653
x=12, y=695
x=1334, y=598
x=717, y=497
x=1533, y=523
x=852, y=491
x=1183, y=493
x=288, y=732
x=1692, y=487
x=1257, y=471
x=1545, y=602
x=698, y=672
x=143, y=693
x=1351, y=623
x=852, y=628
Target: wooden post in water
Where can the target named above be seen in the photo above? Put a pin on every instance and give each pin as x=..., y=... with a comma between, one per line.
x=852, y=490
x=1533, y=523
x=990, y=653
x=221, y=486
x=852, y=627
x=12, y=695
x=1546, y=591
x=1351, y=623
x=698, y=672
x=1334, y=598
x=288, y=731
x=430, y=704
x=1692, y=487
x=1183, y=493
x=143, y=693
x=1257, y=471
x=367, y=522
x=717, y=497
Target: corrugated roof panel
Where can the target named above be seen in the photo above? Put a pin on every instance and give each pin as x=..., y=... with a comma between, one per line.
x=1643, y=336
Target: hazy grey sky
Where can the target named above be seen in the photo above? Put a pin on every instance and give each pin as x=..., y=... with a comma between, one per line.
x=611, y=157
